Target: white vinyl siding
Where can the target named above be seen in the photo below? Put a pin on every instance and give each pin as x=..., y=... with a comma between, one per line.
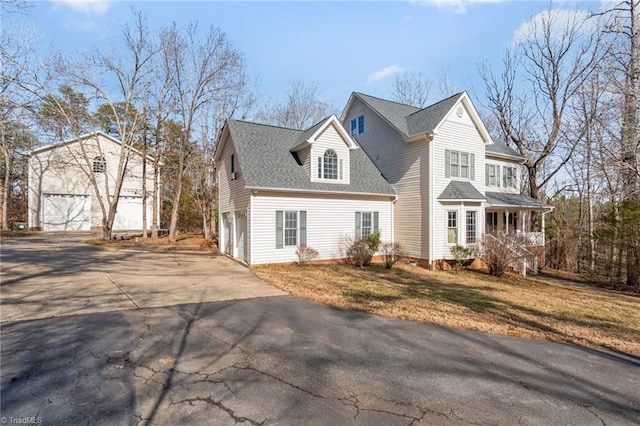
x=404, y=165
x=326, y=167
x=329, y=220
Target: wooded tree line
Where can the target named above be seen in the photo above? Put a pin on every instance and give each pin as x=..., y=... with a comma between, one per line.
x=566, y=96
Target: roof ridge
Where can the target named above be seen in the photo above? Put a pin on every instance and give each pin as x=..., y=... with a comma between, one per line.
x=436, y=103
x=266, y=125
x=388, y=100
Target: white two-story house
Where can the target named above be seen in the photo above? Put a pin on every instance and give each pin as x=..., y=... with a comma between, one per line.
x=453, y=182
x=279, y=189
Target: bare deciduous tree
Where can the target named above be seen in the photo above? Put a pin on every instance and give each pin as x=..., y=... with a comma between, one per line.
x=411, y=88
x=300, y=109
x=205, y=69
x=532, y=95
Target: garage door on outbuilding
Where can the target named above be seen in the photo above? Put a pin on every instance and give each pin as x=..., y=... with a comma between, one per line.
x=66, y=212
x=129, y=213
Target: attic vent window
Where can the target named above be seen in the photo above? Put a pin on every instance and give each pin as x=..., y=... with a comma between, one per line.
x=99, y=165
x=460, y=111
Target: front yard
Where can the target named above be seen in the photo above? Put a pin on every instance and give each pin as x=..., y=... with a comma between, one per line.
x=511, y=305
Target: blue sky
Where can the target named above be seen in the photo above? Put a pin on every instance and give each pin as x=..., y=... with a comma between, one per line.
x=340, y=46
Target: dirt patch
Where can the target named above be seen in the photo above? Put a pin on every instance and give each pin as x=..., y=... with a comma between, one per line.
x=511, y=305
x=186, y=242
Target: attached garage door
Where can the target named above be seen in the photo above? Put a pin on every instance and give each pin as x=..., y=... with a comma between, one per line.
x=66, y=212
x=129, y=214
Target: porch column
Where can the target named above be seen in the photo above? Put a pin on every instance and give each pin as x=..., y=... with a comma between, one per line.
x=506, y=221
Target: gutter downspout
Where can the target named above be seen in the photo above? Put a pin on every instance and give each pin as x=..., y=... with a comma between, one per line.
x=430, y=203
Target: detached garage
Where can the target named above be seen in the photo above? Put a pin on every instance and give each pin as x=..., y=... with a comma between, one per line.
x=68, y=181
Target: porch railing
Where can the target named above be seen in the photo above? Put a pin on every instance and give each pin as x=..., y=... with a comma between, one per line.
x=536, y=238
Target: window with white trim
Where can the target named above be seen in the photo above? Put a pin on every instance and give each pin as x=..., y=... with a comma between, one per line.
x=328, y=165
x=291, y=228
x=452, y=227
x=472, y=226
x=366, y=224
x=99, y=165
x=492, y=175
x=509, y=177
x=357, y=125
x=459, y=164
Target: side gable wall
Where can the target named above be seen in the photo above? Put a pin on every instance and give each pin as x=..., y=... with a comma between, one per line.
x=233, y=197
x=406, y=167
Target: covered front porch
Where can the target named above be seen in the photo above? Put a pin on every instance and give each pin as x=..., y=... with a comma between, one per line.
x=516, y=213
x=522, y=215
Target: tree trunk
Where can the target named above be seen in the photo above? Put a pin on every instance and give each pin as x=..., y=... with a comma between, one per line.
x=173, y=223
x=155, y=197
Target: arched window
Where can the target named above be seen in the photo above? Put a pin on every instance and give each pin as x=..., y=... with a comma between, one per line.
x=330, y=164
x=99, y=165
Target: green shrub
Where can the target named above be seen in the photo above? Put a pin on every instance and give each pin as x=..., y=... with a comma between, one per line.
x=360, y=252
x=460, y=254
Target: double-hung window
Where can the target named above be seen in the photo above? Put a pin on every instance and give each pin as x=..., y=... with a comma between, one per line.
x=357, y=125
x=472, y=226
x=452, y=227
x=492, y=175
x=459, y=164
x=509, y=177
x=291, y=228
x=366, y=224
x=328, y=166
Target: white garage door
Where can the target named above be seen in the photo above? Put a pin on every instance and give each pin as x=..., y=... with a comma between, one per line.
x=66, y=212
x=241, y=236
x=129, y=214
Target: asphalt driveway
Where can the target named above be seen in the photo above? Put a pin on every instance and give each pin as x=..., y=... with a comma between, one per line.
x=281, y=360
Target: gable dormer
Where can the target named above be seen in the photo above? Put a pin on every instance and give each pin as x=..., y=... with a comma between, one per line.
x=325, y=152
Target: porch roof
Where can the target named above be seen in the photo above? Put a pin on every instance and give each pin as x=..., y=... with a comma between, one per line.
x=505, y=200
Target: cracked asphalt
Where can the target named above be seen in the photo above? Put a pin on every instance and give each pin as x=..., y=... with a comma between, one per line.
x=270, y=360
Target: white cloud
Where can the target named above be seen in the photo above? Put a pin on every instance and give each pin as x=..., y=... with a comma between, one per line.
x=385, y=72
x=87, y=7
x=560, y=21
x=457, y=6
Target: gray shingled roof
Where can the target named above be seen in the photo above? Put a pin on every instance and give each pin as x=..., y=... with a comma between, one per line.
x=501, y=148
x=501, y=199
x=460, y=190
x=428, y=118
x=263, y=153
x=395, y=112
x=411, y=120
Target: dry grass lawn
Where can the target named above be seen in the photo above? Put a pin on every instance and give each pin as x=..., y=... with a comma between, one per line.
x=511, y=305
